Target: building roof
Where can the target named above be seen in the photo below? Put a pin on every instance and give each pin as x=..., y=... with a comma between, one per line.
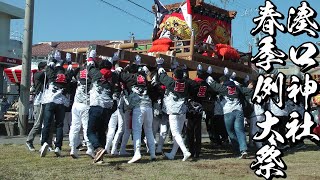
x=12, y=11
x=44, y=48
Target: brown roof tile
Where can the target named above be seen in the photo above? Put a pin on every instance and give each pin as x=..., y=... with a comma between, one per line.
x=149, y=41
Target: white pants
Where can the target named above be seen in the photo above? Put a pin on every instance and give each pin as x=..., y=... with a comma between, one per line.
x=176, y=125
x=80, y=116
x=127, y=118
x=162, y=123
x=121, y=130
x=142, y=116
x=254, y=129
x=112, y=126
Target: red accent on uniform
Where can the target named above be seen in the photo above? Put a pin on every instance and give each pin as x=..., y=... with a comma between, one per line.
x=163, y=87
x=198, y=80
x=106, y=73
x=231, y=90
x=179, y=87
x=83, y=74
x=202, y=91
x=141, y=80
x=90, y=59
x=61, y=78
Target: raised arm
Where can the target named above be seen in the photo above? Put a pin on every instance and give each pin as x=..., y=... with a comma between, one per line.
x=94, y=73
x=128, y=78
x=165, y=79
x=216, y=86
x=247, y=92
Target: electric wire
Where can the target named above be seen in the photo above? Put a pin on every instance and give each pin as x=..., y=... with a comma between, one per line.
x=140, y=6
x=126, y=12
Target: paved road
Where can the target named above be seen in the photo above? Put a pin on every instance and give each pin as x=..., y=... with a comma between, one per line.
x=16, y=140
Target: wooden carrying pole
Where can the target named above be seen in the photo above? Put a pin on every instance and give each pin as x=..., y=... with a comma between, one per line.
x=241, y=70
x=123, y=46
x=116, y=46
x=76, y=50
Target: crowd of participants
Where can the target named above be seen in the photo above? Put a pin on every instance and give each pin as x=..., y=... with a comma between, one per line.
x=109, y=103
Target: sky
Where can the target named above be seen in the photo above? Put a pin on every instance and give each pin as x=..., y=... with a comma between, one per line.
x=74, y=20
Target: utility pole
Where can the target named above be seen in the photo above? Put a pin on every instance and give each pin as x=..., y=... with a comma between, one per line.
x=26, y=68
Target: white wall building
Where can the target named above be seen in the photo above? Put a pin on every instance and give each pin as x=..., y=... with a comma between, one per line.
x=10, y=49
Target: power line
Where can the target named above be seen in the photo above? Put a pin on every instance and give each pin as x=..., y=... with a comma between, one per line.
x=140, y=6
x=124, y=11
